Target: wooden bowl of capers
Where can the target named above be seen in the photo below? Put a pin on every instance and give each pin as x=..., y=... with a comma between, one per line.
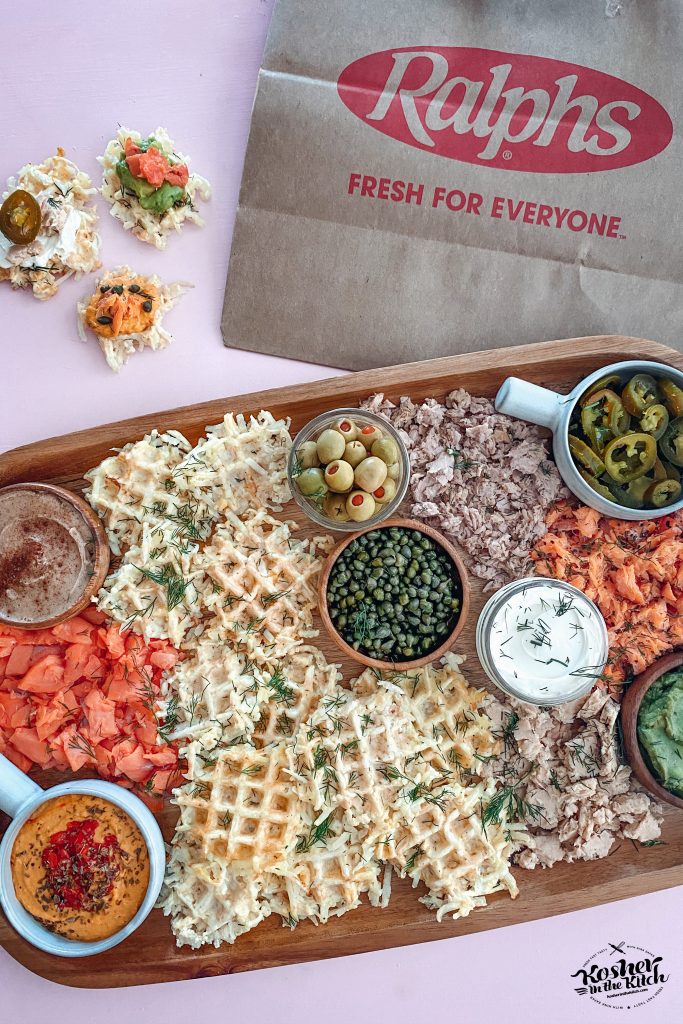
x=348, y=468
x=394, y=596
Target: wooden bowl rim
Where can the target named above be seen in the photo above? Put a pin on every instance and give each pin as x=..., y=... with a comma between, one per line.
x=391, y=666
x=630, y=707
x=101, y=559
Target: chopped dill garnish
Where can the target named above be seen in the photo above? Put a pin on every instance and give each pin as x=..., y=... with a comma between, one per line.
x=167, y=577
x=282, y=694
x=170, y=721
x=283, y=725
x=580, y=755
x=275, y=596
x=509, y=804
x=365, y=721
x=410, y=863
x=317, y=834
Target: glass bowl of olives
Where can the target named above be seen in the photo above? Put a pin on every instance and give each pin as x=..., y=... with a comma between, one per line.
x=348, y=469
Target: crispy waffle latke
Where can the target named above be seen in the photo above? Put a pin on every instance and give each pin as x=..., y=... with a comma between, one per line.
x=263, y=584
x=162, y=501
x=314, y=814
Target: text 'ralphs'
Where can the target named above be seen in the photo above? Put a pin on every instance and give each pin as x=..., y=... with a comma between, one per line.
x=512, y=111
x=499, y=207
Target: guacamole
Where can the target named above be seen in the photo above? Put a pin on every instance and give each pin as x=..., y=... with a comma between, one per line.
x=660, y=729
x=157, y=199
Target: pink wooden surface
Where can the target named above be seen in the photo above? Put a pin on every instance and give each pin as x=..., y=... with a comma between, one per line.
x=70, y=73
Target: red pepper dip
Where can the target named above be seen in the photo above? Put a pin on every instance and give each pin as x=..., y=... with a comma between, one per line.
x=80, y=866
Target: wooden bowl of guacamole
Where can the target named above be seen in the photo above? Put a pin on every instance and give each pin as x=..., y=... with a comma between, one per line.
x=652, y=724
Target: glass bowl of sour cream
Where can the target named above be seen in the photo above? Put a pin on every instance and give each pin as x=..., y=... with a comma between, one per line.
x=542, y=641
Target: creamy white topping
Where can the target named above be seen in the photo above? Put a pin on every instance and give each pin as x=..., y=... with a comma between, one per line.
x=59, y=242
x=543, y=641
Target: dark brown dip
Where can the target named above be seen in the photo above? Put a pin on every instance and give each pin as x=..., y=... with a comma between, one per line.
x=47, y=552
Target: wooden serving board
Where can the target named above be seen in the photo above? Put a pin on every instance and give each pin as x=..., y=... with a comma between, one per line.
x=150, y=955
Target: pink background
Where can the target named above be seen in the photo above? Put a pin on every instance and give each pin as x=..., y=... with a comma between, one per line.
x=71, y=72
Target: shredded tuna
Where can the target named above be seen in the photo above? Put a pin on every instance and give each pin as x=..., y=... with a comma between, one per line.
x=563, y=769
x=482, y=478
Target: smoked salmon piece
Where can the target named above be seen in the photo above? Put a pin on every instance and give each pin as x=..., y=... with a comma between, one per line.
x=81, y=696
x=153, y=166
x=634, y=573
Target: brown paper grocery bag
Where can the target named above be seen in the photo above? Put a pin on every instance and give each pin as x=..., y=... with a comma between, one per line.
x=425, y=179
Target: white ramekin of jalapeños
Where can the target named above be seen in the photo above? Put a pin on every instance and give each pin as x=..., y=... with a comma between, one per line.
x=394, y=596
x=617, y=437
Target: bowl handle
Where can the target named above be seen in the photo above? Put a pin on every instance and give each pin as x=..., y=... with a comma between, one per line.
x=16, y=788
x=527, y=401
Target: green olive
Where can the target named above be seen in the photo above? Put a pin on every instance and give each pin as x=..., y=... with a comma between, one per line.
x=312, y=481
x=386, y=450
x=369, y=434
x=385, y=492
x=370, y=473
x=335, y=508
x=360, y=506
x=330, y=446
x=339, y=476
x=307, y=454
x=347, y=428
x=394, y=471
x=354, y=453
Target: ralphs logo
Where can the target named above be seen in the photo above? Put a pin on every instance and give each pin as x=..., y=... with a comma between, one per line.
x=507, y=110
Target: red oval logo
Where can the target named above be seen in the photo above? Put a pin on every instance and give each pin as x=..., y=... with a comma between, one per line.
x=509, y=110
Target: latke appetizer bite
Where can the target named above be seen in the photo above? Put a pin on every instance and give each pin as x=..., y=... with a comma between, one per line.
x=125, y=312
x=149, y=185
x=47, y=226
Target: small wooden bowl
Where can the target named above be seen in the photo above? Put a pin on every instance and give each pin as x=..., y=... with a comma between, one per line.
x=630, y=707
x=410, y=524
x=100, y=548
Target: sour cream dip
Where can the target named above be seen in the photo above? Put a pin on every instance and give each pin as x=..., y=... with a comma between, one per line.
x=542, y=641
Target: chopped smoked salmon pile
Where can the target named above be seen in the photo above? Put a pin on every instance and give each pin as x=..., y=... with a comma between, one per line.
x=153, y=166
x=632, y=570
x=82, y=695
